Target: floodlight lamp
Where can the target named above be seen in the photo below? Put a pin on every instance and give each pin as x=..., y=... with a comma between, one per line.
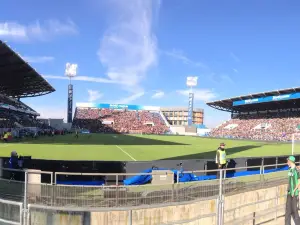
x=191, y=81
x=71, y=70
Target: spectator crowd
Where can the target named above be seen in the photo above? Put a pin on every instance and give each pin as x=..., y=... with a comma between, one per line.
x=119, y=121
x=16, y=114
x=267, y=127
x=12, y=119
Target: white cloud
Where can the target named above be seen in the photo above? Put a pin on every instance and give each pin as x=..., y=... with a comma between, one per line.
x=38, y=59
x=80, y=78
x=129, y=47
x=177, y=54
x=37, y=30
x=131, y=98
x=235, y=70
x=235, y=57
x=199, y=94
x=226, y=78
x=12, y=29
x=158, y=94
x=94, y=95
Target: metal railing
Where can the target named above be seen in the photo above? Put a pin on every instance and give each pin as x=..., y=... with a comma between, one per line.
x=132, y=195
x=35, y=200
x=117, y=176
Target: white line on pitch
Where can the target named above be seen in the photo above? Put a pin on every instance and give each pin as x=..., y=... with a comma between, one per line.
x=5, y=145
x=126, y=153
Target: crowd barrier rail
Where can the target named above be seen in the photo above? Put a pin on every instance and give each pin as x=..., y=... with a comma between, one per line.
x=31, y=202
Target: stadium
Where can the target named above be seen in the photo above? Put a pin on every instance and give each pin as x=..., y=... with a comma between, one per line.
x=126, y=164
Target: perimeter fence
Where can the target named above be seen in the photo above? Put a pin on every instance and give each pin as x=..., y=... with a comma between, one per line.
x=237, y=200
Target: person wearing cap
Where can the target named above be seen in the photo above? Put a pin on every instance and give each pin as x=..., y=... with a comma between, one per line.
x=293, y=192
x=221, y=159
x=13, y=160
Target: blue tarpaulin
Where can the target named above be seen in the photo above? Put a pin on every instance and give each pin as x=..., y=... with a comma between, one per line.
x=187, y=177
x=139, y=179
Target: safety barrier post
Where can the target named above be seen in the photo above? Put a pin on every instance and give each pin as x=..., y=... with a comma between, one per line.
x=130, y=217
x=28, y=216
x=217, y=211
x=53, y=186
x=276, y=206
x=51, y=177
x=55, y=178
x=220, y=199
x=21, y=215
x=263, y=165
x=260, y=172
x=177, y=185
x=117, y=190
x=25, y=198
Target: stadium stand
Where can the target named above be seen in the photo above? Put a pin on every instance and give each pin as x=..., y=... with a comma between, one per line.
x=119, y=121
x=269, y=116
x=20, y=80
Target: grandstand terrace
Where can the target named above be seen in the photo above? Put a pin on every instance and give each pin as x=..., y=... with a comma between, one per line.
x=269, y=116
x=118, y=118
x=19, y=80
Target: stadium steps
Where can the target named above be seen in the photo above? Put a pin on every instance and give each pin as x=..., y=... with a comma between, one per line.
x=164, y=119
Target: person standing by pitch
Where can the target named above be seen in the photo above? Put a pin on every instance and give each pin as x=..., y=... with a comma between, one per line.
x=291, y=209
x=221, y=159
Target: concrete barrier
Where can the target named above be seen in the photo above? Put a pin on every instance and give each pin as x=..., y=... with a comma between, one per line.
x=259, y=205
x=34, y=184
x=55, y=218
x=159, y=215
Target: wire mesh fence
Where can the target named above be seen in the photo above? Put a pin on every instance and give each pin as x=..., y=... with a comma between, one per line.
x=10, y=212
x=119, y=196
x=136, y=195
x=11, y=189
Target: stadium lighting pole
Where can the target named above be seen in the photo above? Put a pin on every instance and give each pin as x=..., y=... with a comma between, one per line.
x=190, y=83
x=70, y=72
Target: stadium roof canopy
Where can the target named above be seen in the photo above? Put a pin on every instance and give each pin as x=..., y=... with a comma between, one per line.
x=272, y=100
x=18, y=78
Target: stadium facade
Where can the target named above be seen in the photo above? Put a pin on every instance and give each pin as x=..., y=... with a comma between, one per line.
x=179, y=115
x=285, y=99
x=272, y=116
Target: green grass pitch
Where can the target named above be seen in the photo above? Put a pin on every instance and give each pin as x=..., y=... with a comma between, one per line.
x=116, y=147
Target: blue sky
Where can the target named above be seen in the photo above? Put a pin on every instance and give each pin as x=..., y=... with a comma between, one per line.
x=141, y=51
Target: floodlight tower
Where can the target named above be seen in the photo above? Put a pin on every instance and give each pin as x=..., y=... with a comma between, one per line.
x=71, y=71
x=191, y=82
